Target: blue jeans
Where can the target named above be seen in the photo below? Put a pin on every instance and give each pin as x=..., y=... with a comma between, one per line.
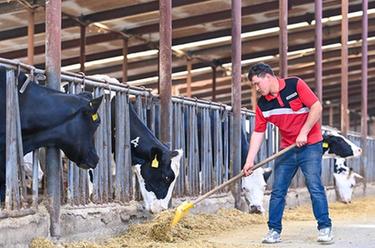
x=309, y=159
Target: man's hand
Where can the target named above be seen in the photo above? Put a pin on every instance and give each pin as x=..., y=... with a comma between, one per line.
x=301, y=139
x=247, y=169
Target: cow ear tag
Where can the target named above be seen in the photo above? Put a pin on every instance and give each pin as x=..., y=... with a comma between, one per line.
x=325, y=145
x=94, y=117
x=155, y=163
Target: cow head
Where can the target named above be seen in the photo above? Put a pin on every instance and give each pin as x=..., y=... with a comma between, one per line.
x=81, y=131
x=254, y=187
x=345, y=179
x=157, y=178
x=335, y=145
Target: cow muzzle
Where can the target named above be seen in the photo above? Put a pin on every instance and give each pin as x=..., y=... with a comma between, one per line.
x=255, y=209
x=90, y=162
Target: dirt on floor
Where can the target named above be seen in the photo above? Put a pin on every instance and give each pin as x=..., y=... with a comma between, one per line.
x=226, y=228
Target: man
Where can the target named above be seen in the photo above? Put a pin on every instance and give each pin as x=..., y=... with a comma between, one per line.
x=291, y=105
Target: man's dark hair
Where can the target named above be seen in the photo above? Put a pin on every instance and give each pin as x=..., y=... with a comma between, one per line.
x=259, y=70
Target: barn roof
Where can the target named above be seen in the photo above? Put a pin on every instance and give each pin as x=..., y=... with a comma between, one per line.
x=201, y=30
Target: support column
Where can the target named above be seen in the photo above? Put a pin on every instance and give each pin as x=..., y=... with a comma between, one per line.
x=188, y=76
x=165, y=62
x=30, y=36
x=213, y=83
x=125, y=51
x=364, y=93
x=236, y=95
x=318, y=51
x=344, y=68
x=82, y=51
x=53, y=67
x=283, y=38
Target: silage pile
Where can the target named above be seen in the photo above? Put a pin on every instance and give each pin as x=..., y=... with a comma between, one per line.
x=158, y=232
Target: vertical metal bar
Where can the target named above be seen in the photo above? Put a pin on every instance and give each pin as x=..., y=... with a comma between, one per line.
x=189, y=76
x=125, y=52
x=191, y=162
x=11, y=142
x=283, y=38
x=152, y=116
x=109, y=149
x=120, y=144
x=226, y=145
x=128, y=190
x=330, y=117
x=236, y=95
x=165, y=62
x=82, y=50
x=98, y=186
x=197, y=157
x=35, y=184
x=183, y=147
x=318, y=49
x=202, y=151
x=209, y=153
x=213, y=83
x=344, y=67
x=364, y=101
x=30, y=36
x=53, y=66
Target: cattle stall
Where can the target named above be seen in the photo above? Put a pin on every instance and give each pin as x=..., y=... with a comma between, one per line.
x=200, y=128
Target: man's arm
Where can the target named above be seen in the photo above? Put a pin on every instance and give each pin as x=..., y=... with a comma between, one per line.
x=255, y=142
x=312, y=118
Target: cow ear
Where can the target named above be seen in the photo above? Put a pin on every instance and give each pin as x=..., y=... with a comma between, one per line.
x=85, y=94
x=266, y=174
x=95, y=103
x=156, y=154
x=174, y=153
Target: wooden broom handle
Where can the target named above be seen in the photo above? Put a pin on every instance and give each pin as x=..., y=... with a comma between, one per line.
x=235, y=178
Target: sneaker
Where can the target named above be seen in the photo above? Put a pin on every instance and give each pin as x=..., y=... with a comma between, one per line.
x=272, y=237
x=325, y=235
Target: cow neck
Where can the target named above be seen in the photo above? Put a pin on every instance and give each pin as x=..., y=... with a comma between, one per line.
x=43, y=94
x=139, y=129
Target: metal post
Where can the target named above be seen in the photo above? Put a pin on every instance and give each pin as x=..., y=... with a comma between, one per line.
x=318, y=50
x=125, y=45
x=344, y=68
x=214, y=83
x=188, y=76
x=236, y=94
x=30, y=35
x=364, y=93
x=165, y=62
x=283, y=38
x=53, y=67
x=330, y=117
x=82, y=51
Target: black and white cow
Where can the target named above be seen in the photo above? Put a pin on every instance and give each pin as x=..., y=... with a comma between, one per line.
x=51, y=118
x=335, y=145
x=345, y=179
x=254, y=185
x=155, y=166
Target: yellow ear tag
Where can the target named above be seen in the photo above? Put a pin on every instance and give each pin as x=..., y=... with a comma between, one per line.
x=155, y=163
x=95, y=117
x=325, y=145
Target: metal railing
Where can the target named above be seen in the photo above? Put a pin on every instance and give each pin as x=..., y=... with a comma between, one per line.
x=201, y=129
